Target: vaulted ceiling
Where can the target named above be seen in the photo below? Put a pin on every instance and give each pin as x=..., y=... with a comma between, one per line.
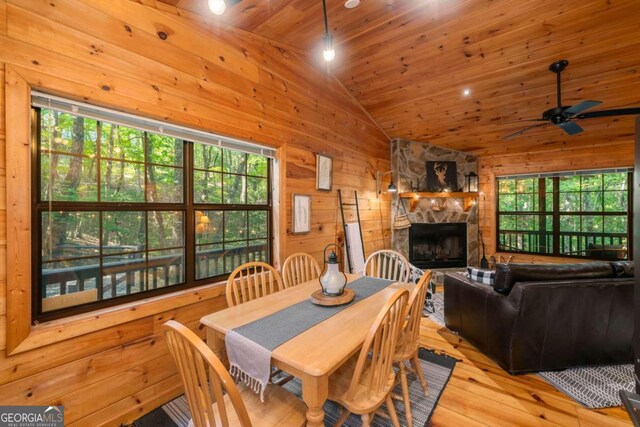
x=408, y=62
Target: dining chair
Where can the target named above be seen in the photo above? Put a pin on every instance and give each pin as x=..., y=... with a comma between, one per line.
x=214, y=399
x=299, y=268
x=365, y=381
x=409, y=342
x=387, y=264
x=251, y=281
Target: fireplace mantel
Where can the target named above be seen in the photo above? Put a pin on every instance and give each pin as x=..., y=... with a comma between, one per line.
x=469, y=199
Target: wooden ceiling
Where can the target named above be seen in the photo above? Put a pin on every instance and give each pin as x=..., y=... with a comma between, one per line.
x=408, y=61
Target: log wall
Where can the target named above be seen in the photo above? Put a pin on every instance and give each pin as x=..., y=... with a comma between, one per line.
x=140, y=59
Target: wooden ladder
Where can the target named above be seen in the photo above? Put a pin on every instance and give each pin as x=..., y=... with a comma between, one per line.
x=344, y=226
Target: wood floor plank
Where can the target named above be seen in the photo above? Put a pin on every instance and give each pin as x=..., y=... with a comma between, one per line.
x=481, y=393
x=445, y=417
x=599, y=419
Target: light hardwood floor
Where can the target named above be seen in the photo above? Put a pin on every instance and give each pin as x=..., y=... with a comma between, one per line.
x=481, y=393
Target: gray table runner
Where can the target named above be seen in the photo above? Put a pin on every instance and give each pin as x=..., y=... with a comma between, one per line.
x=277, y=328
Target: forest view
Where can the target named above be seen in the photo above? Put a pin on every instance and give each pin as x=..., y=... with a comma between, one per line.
x=113, y=205
x=589, y=217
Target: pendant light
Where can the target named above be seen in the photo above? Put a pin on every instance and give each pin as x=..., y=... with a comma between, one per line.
x=217, y=7
x=329, y=52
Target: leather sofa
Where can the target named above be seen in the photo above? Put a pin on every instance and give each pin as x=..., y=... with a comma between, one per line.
x=541, y=317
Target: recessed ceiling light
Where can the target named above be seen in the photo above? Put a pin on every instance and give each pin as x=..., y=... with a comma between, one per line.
x=350, y=4
x=466, y=92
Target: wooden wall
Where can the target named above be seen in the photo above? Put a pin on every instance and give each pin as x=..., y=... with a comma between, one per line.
x=606, y=155
x=143, y=60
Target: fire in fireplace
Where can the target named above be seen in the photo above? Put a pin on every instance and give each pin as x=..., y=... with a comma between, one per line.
x=438, y=245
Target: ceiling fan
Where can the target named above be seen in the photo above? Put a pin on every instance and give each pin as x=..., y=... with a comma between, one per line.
x=564, y=116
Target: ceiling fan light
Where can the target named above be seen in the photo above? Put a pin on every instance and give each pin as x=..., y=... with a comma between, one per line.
x=217, y=7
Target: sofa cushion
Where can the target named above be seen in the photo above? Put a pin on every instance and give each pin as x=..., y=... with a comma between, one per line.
x=483, y=276
x=623, y=268
x=508, y=274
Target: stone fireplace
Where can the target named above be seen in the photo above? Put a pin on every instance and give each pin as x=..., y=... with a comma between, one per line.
x=438, y=245
x=408, y=159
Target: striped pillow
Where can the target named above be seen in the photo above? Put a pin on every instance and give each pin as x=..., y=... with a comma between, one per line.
x=483, y=276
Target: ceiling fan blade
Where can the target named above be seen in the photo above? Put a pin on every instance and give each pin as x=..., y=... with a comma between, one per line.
x=570, y=127
x=521, y=131
x=579, y=108
x=607, y=113
x=525, y=120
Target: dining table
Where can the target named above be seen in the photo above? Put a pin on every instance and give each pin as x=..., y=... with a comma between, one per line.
x=313, y=355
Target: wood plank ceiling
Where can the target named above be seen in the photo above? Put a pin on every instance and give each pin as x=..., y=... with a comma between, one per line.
x=408, y=61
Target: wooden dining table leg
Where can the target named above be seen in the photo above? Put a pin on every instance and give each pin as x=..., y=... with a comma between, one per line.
x=314, y=393
x=215, y=341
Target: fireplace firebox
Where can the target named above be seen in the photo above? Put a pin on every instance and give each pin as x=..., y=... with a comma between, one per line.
x=438, y=245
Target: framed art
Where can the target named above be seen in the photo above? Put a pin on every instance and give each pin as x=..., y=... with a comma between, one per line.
x=442, y=176
x=324, y=170
x=300, y=214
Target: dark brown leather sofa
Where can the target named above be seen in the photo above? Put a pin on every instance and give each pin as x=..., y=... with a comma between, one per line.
x=546, y=316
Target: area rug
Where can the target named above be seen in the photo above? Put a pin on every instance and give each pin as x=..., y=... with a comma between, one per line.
x=593, y=386
x=437, y=369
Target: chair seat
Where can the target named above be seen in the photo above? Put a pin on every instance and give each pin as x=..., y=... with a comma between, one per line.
x=280, y=408
x=405, y=350
x=360, y=403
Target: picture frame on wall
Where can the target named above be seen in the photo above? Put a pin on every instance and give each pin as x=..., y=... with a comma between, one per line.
x=324, y=172
x=441, y=176
x=300, y=214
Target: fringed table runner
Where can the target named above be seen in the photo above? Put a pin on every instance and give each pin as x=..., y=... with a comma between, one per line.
x=249, y=346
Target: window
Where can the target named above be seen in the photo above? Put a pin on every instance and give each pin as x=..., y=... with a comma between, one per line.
x=122, y=212
x=583, y=214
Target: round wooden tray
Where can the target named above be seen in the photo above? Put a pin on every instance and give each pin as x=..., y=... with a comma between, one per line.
x=321, y=299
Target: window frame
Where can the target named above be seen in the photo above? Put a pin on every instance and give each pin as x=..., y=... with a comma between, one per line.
x=188, y=207
x=555, y=214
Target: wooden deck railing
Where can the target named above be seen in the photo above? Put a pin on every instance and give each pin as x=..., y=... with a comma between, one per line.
x=570, y=243
x=124, y=277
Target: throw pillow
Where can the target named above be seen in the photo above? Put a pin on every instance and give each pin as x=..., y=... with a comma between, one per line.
x=483, y=276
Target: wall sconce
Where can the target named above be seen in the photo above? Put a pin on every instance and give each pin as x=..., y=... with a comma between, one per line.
x=471, y=182
x=391, y=188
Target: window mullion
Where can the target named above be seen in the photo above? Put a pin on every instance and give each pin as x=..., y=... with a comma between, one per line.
x=542, y=218
x=630, y=213
x=556, y=216
x=189, y=220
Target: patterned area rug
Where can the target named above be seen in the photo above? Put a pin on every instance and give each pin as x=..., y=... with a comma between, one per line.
x=437, y=369
x=593, y=386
